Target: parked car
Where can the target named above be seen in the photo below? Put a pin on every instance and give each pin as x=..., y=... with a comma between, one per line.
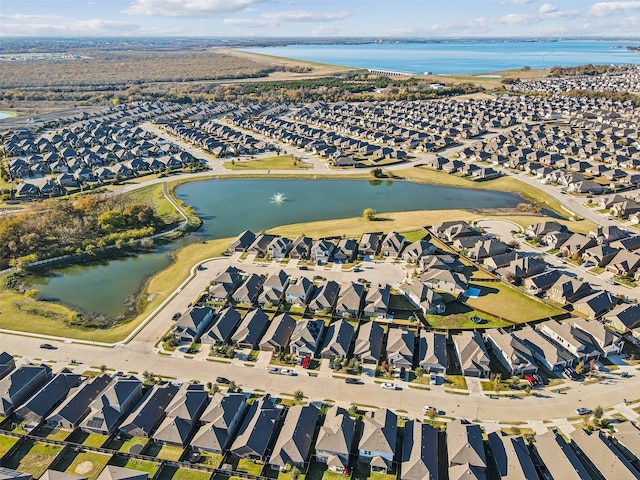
x=583, y=411
x=429, y=408
x=570, y=372
x=224, y=380
x=352, y=381
x=273, y=370
x=305, y=362
x=47, y=346
x=389, y=386
x=529, y=378
x=538, y=378
x=433, y=378
x=286, y=371
x=176, y=316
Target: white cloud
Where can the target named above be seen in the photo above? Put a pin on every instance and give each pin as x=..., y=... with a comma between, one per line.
x=516, y=2
x=71, y=27
x=22, y=16
x=602, y=9
x=187, y=8
x=289, y=16
x=547, y=8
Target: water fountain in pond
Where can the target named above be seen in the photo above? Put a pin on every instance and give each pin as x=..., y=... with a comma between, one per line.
x=278, y=198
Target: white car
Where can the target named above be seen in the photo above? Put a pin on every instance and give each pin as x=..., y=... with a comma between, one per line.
x=286, y=371
x=273, y=370
x=429, y=408
x=388, y=386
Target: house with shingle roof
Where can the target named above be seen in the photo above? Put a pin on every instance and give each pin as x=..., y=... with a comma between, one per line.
x=305, y=337
x=7, y=364
x=220, y=422
x=513, y=353
x=596, y=304
x=182, y=415
x=624, y=317
x=368, y=245
x=432, y=351
x=257, y=430
x=599, y=453
x=299, y=293
x=242, y=241
x=400, y=348
x=76, y=405
x=627, y=439
x=511, y=457
x=192, y=324
x=349, y=303
x=20, y=384
x=113, y=404
x=222, y=327
x=248, y=292
x=558, y=458
x=55, y=475
x=294, y=441
x=9, y=474
x=335, y=439
x=41, y=403
x=112, y=472
x=392, y=245
x=465, y=445
x=149, y=411
x=472, y=354
x=337, y=340
x=251, y=329
x=301, y=248
x=608, y=341
x=419, y=452
x=324, y=298
x=277, y=336
x=423, y=297
x=417, y=250
x=568, y=290
x=377, y=444
x=368, y=347
x=550, y=354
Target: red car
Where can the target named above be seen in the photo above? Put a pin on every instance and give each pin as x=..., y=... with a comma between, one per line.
x=305, y=362
x=530, y=379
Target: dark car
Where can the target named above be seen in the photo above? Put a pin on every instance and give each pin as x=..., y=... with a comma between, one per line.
x=47, y=346
x=224, y=380
x=176, y=316
x=352, y=381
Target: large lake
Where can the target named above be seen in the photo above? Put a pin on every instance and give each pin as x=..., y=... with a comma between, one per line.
x=230, y=206
x=461, y=57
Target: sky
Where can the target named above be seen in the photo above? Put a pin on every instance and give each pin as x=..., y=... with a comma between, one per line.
x=320, y=18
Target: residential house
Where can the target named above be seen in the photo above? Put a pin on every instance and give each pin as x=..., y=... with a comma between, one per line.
x=261, y=244
x=608, y=234
x=222, y=327
x=576, y=245
x=279, y=248
x=335, y=439
x=568, y=290
x=256, y=432
x=251, y=329
x=423, y=297
x=465, y=448
x=419, y=452
x=112, y=472
x=349, y=303
x=376, y=303
x=446, y=281
x=500, y=261
x=9, y=474
x=629, y=243
x=392, y=245
x=301, y=248
x=192, y=324
x=539, y=230
x=296, y=436
x=596, y=304
x=7, y=364
x=225, y=284
x=417, y=250
x=149, y=411
x=432, y=351
x=599, y=453
x=337, y=340
x=345, y=251
x=608, y=341
x=400, y=348
x=113, y=405
x=624, y=263
x=242, y=241
x=558, y=458
x=564, y=334
x=547, y=352
x=555, y=240
x=511, y=457
x=220, y=422
x=306, y=337
x=273, y=289
x=486, y=248
x=77, y=404
x=472, y=354
x=624, y=317
x=299, y=293
x=514, y=354
x=45, y=399
x=325, y=298
x=321, y=251
x=276, y=338
x=182, y=415
x=52, y=475
x=20, y=384
x=248, y=292
x=368, y=347
x=522, y=268
x=377, y=443
x=542, y=282
x=368, y=246
x=600, y=255
x=627, y=440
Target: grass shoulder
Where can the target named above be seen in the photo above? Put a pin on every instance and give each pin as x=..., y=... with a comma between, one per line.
x=279, y=162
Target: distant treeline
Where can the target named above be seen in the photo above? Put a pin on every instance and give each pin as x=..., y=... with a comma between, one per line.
x=587, y=69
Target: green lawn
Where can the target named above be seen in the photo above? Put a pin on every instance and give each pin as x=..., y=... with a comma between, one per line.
x=458, y=316
x=170, y=452
x=88, y=464
x=134, y=464
x=455, y=381
x=6, y=443
x=152, y=194
x=248, y=466
x=173, y=473
x=59, y=434
x=130, y=442
x=279, y=162
x=211, y=459
x=95, y=440
x=33, y=457
x=504, y=301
